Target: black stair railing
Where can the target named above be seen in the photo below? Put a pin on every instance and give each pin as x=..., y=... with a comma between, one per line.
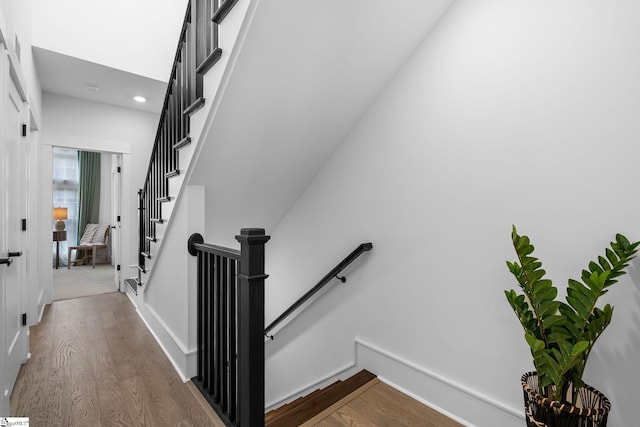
x=230, y=323
x=230, y=319
x=196, y=53
x=333, y=274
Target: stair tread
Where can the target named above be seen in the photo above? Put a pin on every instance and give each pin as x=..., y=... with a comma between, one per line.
x=172, y=173
x=182, y=143
x=317, y=401
x=283, y=410
x=288, y=405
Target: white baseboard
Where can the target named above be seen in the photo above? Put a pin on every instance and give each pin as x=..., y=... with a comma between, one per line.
x=459, y=402
x=456, y=401
x=182, y=359
x=341, y=374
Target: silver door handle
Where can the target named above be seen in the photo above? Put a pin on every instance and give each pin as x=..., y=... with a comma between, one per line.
x=7, y=261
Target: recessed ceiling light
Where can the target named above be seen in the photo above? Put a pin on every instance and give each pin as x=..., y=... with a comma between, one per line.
x=139, y=98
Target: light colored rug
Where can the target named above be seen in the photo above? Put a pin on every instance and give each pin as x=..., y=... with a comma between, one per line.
x=82, y=281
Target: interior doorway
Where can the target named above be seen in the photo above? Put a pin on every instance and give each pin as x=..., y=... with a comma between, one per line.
x=78, y=272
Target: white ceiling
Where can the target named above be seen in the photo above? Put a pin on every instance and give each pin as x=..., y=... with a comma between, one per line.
x=138, y=36
x=66, y=75
x=125, y=47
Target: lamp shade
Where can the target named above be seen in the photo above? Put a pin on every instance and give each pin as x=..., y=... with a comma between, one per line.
x=60, y=213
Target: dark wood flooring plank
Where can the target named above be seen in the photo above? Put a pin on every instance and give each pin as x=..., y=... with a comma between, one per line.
x=85, y=407
x=57, y=408
x=318, y=401
x=41, y=335
x=161, y=397
x=129, y=362
x=185, y=396
x=110, y=394
x=138, y=403
x=29, y=389
x=273, y=416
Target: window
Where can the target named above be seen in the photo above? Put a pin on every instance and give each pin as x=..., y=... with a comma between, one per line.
x=65, y=194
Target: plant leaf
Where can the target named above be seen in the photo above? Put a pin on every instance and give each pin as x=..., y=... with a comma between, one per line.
x=561, y=335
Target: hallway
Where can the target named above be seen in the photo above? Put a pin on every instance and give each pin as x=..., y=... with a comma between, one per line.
x=94, y=363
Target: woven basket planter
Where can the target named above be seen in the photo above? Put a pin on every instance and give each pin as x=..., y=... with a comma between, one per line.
x=591, y=410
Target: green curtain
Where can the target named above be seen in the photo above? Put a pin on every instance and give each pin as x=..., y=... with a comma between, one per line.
x=89, y=204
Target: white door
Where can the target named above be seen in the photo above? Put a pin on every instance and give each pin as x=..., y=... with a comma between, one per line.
x=12, y=194
x=116, y=168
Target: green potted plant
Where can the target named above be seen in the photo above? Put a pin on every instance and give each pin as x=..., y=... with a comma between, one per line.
x=561, y=334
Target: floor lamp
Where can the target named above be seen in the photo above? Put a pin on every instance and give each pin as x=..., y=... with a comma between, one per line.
x=60, y=214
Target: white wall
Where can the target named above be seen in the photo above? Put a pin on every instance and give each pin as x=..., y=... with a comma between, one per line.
x=509, y=113
x=167, y=304
x=135, y=36
x=72, y=122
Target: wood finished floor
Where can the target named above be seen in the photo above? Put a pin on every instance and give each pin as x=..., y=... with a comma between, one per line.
x=382, y=406
x=94, y=363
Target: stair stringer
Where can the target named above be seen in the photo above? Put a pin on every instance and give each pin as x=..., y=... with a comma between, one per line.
x=177, y=339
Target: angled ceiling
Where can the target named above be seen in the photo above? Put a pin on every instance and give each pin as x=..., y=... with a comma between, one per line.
x=304, y=75
x=123, y=47
x=66, y=75
x=137, y=36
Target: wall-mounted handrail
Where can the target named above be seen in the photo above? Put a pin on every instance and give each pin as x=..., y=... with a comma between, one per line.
x=362, y=248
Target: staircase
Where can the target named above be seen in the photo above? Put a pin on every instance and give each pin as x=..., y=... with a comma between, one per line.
x=308, y=407
x=197, y=149
x=178, y=132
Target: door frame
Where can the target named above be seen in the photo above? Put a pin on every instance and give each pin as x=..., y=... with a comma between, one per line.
x=35, y=295
x=116, y=215
x=4, y=399
x=11, y=76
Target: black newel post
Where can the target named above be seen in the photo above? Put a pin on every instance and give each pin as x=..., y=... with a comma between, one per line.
x=251, y=327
